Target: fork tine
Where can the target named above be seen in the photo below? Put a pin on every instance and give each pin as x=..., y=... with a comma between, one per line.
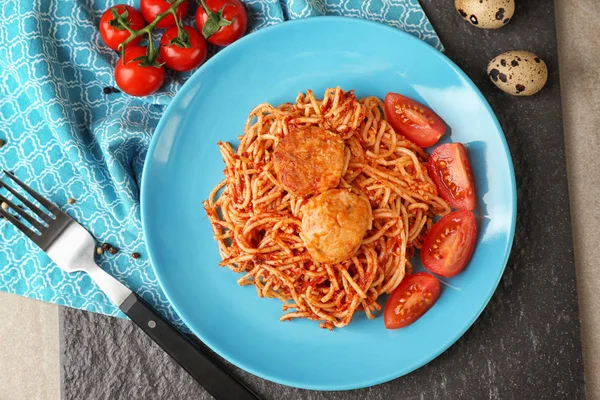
x=46, y=203
x=20, y=226
x=29, y=204
x=23, y=214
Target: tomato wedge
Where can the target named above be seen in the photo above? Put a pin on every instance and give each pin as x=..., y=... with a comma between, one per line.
x=413, y=120
x=411, y=299
x=449, y=244
x=450, y=169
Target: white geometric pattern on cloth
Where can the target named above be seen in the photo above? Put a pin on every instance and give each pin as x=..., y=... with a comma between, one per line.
x=66, y=138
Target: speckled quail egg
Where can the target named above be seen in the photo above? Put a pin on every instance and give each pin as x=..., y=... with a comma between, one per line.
x=518, y=72
x=486, y=14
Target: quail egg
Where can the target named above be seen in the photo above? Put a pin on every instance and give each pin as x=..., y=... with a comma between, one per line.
x=486, y=14
x=518, y=72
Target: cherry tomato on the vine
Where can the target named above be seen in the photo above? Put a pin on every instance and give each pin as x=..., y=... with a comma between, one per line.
x=113, y=29
x=135, y=78
x=178, y=57
x=222, y=22
x=151, y=8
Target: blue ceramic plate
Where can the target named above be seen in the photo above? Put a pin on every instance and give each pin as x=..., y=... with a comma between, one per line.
x=183, y=164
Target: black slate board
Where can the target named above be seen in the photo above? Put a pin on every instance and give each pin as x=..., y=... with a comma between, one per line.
x=525, y=345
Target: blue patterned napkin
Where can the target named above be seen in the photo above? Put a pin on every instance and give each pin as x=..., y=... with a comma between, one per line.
x=67, y=139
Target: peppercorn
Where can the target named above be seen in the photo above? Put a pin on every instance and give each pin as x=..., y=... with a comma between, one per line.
x=71, y=200
x=135, y=255
x=99, y=251
x=113, y=250
x=105, y=246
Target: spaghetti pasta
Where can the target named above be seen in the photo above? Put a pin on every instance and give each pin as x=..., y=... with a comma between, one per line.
x=257, y=223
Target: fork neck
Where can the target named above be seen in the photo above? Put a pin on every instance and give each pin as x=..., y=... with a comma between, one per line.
x=115, y=290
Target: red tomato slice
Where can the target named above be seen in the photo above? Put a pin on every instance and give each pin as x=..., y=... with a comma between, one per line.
x=449, y=244
x=413, y=120
x=450, y=169
x=411, y=299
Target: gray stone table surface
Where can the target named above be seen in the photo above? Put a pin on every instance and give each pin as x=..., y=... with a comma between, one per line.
x=526, y=344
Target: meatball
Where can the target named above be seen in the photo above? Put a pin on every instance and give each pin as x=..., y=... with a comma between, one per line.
x=309, y=161
x=334, y=224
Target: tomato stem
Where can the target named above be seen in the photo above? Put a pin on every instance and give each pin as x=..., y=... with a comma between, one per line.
x=147, y=30
x=120, y=21
x=215, y=20
x=151, y=54
x=182, y=39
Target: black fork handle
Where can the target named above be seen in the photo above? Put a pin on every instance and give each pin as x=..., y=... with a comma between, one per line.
x=218, y=382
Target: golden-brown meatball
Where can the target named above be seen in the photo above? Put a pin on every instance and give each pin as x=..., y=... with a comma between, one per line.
x=334, y=224
x=309, y=161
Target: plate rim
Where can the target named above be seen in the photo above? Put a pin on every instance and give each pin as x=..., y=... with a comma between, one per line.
x=230, y=357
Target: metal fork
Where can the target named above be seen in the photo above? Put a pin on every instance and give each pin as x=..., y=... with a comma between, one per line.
x=72, y=247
